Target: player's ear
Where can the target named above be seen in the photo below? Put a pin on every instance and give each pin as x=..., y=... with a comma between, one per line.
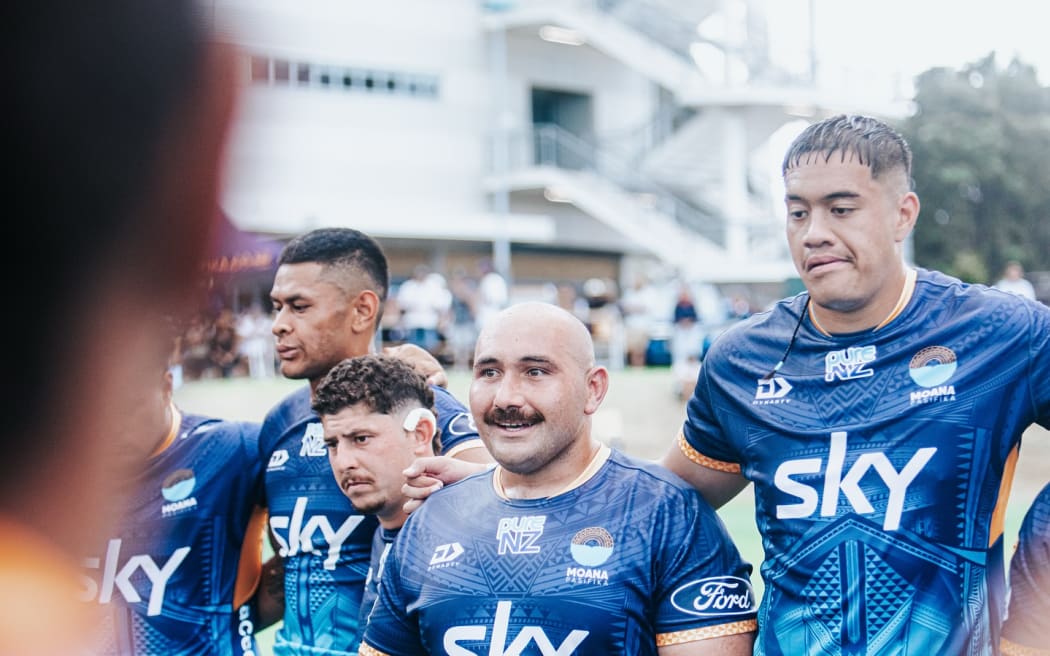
x=365, y=308
x=597, y=386
x=907, y=215
x=421, y=424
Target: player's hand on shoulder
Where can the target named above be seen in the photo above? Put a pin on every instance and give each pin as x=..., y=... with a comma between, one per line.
x=421, y=360
x=431, y=473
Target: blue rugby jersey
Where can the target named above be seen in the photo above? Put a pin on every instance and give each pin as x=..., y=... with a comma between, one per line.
x=878, y=460
x=630, y=559
x=381, y=543
x=1027, y=624
x=168, y=575
x=324, y=542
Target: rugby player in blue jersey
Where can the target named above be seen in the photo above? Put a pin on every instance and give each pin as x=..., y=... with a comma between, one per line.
x=175, y=576
x=328, y=297
x=1026, y=631
x=567, y=546
x=378, y=418
x=878, y=414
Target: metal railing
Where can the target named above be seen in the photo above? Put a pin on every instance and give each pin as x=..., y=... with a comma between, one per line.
x=554, y=146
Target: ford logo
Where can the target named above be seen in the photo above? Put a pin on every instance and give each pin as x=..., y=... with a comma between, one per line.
x=716, y=596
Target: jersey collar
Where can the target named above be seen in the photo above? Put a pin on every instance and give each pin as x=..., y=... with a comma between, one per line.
x=176, y=423
x=587, y=474
x=902, y=302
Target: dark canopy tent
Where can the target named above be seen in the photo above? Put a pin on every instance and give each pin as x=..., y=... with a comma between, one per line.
x=241, y=266
x=237, y=251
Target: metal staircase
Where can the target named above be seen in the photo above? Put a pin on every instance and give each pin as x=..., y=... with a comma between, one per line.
x=598, y=183
x=690, y=163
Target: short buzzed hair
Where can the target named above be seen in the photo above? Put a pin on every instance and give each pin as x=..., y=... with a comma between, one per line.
x=382, y=383
x=351, y=253
x=874, y=144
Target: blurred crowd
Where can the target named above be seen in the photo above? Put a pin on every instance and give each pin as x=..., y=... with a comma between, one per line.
x=666, y=323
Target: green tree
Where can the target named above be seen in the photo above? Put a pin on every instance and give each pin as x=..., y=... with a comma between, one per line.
x=981, y=141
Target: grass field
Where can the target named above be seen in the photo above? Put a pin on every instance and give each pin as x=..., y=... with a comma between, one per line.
x=641, y=415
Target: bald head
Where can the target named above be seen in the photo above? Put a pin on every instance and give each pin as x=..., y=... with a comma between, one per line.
x=543, y=326
x=535, y=389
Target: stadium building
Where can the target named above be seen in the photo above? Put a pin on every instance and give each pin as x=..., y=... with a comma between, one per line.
x=563, y=139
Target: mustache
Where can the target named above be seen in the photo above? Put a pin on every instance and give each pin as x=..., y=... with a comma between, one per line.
x=511, y=416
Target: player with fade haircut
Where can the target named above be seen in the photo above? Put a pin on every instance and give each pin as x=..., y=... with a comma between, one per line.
x=378, y=418
x=328, y=295
x=567, y=546
x=1027, y=623
x=878, y=414
x=176, y=575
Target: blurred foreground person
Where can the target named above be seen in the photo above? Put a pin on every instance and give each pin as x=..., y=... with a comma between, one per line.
x=116, y=113
x=567, y=543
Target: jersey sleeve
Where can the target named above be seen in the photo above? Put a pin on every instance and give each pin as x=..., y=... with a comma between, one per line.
x=392, y=630
x=703, y=438
x=458, y=431
x=703, y=587
x=1028, y=621
x=254, y=465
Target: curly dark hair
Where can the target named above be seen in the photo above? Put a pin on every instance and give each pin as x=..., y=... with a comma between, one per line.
x=383, y=383
x=875, y=144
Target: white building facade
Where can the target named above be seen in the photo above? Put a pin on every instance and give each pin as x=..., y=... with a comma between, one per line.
x=566, y=139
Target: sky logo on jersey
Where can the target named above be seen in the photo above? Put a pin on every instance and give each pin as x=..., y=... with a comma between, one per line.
x=591, y=546
x=301, y=533
x=771, y=391
x=849, y=364
x=462, y=424
x=836, y=484
x=313, y=441
x=501, y=633
x=277, y=460
x=716, y=596
x=118, y=578
x=445, y=554
x=931, y=368
x=376, y=573
x=518, y=535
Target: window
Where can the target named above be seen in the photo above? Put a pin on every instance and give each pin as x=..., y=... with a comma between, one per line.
x=274, y=71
